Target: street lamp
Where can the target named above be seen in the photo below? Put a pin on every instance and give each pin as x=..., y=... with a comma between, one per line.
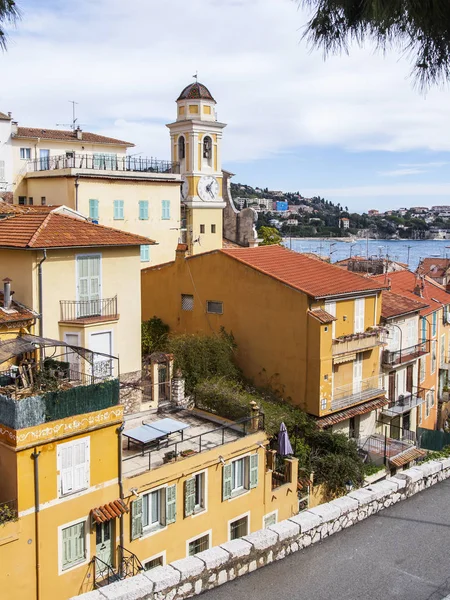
x=349, y=485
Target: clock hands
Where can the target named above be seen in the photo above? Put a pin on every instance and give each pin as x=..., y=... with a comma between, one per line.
x=208, y=189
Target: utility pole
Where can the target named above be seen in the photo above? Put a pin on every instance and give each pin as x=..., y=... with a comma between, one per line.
x=409, y=248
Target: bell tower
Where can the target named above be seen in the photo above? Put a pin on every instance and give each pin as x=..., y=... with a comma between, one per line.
x=196, y=138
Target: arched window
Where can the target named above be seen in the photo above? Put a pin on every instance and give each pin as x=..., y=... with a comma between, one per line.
x=207, y=149
x=181, y=148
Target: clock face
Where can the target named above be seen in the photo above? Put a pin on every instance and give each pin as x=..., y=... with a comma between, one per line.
x=208, y=188
x=184, y=188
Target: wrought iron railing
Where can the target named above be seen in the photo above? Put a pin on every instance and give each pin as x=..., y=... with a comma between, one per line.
x=404, y=402
x=130, y=563
x=282, y=473
x=105, y=162
x=104, y=574
x=71, y=310
x=397, y=357
x=199, y=443
x=357, y=391
x=390, y=442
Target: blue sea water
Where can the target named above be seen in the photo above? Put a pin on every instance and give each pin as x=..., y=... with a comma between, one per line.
x=405, y=251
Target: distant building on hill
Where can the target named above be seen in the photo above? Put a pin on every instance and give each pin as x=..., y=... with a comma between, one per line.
x=345, y=223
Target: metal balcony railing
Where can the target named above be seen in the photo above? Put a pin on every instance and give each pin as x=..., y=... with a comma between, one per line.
x=71, y=310
x=357, y=391
x=403, y=403
x=397, y=357
x=105, y=162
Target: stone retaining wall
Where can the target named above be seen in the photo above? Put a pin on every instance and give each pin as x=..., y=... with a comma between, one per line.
x=191, y=576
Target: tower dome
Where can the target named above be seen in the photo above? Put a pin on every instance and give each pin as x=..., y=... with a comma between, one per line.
x=196, y=91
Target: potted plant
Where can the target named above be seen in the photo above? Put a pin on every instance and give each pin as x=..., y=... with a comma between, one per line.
x=170, y=456
x=188, y=452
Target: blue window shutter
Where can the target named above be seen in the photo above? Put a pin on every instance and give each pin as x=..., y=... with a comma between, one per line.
x=424, y=330
x=143, y=209
x=121, y=209
x=118, y=210
x=93, y=209
x=166, y=209
x=145, y=253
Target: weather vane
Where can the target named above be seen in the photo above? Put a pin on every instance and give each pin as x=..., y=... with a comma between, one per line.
x=195, y=76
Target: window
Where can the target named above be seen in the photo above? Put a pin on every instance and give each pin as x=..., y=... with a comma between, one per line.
x=270, y=519
x=88, y=285
x=22, y=200
x=214, y=307
x=433, y=355
x=213, y=228
x=165, y=205
x=194, y=494
x=442, y=351
x=93, y=209
x=25, y=153
x=153, y=510
x=145, y=253
x=419, y=413
x=30, y=201
x=73, y=466
x=422, y=369
x=198, y=545
x=187, y=302
x=429, y=402
x=105, y=161
x=73, y=545
x=434, y=325
x=207, y=150
x=143, y=210
x=323, y=404
x=118, y=210
x=239, y=528
x=43, y=200
x=154, y=562
x=359, y=315
x=239, y=475
x=202, y=229
x=181, y=148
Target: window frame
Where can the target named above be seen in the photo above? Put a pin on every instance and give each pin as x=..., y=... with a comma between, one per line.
x=213, y=228
x=119, y=210
x=87, y=538
x=213, y=312
x=24, y=201
x=59, y=449
x=187, y=296
x=433, y=356
x=94, y=209
x=197, y=508
x=196, y=538
x=434, y=325
x=202, y=228
x=28, y=149
x=273, y=513
x=161, y=555
x=161, y=497
x=238, y=518
x=143, y=210
x=165, y=210
x=145, y=252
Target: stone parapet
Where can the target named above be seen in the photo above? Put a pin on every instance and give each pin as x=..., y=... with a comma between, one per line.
x=211, y=568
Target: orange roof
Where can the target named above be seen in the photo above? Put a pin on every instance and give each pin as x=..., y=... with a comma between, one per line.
x=10, y=209
x=64, y=135
x=404, y=283
x=433, y=267
x=53, y=230
x=348, y=413
x=17, y=313
x=314, y=277
x=321, y=315
x=394, y=305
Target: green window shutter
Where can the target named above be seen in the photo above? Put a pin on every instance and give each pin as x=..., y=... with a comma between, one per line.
x=93, y=209
x=136, y=518
x=253, y=470
x=73, y=545
x=226, y=481
x=189, y=497
x=171, y=504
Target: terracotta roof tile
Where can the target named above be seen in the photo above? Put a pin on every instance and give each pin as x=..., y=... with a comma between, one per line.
x=17, y=313
x=63, y=135
x=53, y=230
x=4, y=117
x=406, y=456
x=10, y=209
x=322, y=315
x=313, y=277
x=343, y=415
x=394, y=305
x=433, y=267
x=404, y=283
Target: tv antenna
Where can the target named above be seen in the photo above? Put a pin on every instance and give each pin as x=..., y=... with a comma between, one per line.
x=74, y=125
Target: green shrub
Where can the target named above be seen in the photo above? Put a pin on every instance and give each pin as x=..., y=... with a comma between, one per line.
x=154, y=334
x=444, y=453
x=7, y=513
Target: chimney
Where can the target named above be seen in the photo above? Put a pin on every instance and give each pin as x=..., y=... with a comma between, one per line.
x=79, y=133
x=7, y=293
x=14, y=126
x=10, y=114
x=418, y=288
x=181, y=251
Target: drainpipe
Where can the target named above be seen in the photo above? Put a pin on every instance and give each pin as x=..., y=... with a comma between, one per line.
x=35, y=457
x=120, y=472
x=76, y=191
x=41, y=320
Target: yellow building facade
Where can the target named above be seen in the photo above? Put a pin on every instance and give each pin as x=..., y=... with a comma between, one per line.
x=301, y=327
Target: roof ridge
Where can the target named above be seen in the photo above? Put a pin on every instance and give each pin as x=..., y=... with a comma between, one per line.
x=39, y=229
x=114, y=229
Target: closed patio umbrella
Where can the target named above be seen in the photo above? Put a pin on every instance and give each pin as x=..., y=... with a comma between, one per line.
x=284, y=445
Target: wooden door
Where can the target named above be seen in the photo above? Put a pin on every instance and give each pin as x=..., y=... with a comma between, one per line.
x=409, y=378
x=392, y=386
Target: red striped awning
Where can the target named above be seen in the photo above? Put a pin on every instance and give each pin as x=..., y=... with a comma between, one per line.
x=109, y=511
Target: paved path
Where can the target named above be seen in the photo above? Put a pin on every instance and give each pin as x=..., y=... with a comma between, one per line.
x=402, y=553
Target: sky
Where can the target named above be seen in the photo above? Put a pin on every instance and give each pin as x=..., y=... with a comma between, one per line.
x=352, y=129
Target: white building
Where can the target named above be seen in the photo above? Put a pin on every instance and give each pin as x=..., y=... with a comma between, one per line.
x=6, y=161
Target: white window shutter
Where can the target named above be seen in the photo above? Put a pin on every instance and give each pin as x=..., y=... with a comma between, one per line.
x=81, y=464
x=66, y=468
x=189, y=497
x=253, y=470
x=359, y=315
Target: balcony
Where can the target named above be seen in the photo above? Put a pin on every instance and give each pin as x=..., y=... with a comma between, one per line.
x=356, y=342
x=354, y=393
x=133, y=164
x=404, y=403
x=392, y=359
x=396, y=446
x=77, y=311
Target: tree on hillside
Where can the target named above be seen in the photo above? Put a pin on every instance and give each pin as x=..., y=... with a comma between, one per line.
x=270, y=236
x=419, y=28
x=9, y=13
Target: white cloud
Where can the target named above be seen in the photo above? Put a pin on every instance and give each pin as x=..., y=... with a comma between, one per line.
x=401, y=172
x=425, y=165
x=126, y=67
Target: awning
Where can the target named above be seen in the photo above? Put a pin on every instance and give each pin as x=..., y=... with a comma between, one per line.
x=406, y=456
x=109, y=511
x=348, y=413
x=343, y=358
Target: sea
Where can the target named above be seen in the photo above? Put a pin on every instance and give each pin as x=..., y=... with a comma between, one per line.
x=405, y=251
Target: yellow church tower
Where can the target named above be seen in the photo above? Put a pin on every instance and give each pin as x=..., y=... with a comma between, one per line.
x=196, y=138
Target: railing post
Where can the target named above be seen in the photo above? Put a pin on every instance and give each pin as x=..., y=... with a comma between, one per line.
x=223, y=436
x=385, y=444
